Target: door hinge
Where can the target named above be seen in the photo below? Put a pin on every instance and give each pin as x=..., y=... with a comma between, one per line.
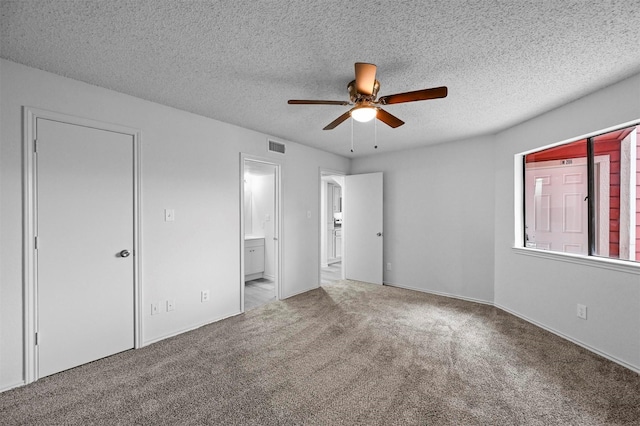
x=36, y=338
x=35, y=243
x=35, y=145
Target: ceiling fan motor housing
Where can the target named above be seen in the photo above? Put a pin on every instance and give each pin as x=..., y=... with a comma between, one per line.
x=359, y=97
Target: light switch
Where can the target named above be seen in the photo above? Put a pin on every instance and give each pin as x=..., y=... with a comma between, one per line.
x=308, y=214
x=171, y=305
x=155, y=308
x=169, y=215
x=267, y=217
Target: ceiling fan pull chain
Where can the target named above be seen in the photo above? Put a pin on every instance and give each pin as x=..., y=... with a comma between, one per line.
x=375, y=134
x=351, y=134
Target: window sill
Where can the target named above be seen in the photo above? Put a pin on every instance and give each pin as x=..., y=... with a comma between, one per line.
x=593, y=261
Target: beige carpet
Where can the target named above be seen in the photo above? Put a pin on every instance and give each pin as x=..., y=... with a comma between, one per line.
x=345, y=354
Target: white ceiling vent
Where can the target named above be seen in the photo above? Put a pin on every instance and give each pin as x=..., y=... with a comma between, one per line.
x=274, y=146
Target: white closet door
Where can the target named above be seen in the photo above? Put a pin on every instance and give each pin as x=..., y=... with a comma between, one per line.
x=85, y=279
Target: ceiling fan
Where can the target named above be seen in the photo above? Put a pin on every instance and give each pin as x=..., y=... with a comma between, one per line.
x=363, y=91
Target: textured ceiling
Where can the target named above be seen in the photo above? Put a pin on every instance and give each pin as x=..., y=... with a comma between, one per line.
x=239, y=61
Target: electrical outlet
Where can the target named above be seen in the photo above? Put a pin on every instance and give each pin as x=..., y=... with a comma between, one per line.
x=169, y=215
x=171, y=305
x=388, y=266
x=582, y=311
x=204, y=296
x=155, y=308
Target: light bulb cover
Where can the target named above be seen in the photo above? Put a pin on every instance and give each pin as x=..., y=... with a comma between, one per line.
x=363, y=113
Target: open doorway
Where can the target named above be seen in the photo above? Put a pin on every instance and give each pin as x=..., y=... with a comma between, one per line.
x=331, y=223
x=260, y=232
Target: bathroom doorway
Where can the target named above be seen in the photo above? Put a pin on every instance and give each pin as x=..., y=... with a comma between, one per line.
x=260, y=232
x=331, y=246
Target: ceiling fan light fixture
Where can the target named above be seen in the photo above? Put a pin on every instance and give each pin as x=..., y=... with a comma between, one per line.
x=363, y=113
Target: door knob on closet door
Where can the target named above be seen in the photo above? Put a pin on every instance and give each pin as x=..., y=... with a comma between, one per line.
x=125, y=253
x=379, y=234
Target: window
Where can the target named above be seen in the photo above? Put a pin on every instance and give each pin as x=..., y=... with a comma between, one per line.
x=583, y=197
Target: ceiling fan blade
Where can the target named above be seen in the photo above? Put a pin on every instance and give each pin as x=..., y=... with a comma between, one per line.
x=418, y=95
x=365, y=78
x=337, y=121
x=388, y=119
x=306, y=102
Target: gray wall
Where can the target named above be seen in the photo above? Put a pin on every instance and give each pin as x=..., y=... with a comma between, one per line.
x=189, y=163
x=547, y=290
x=438, y=217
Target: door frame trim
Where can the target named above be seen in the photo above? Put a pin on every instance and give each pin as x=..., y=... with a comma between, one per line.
x=279, y=229
x=322, y=171
x=29, y=214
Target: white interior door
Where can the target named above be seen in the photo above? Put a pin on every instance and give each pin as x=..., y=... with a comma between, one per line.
x=362, y=233
x=85, y=218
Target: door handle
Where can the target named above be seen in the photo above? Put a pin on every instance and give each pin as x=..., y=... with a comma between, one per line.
x=125, y=253
x=379, y=234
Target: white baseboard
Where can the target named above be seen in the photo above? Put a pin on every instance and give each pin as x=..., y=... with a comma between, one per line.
x=529, y=320
x=468, y=299
x=12, y=386
x=571, y=339
x=253, y=276
x=184, y=330
x=144, y=343
x=269, y=277
x=299, y=292
x=440, y=293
